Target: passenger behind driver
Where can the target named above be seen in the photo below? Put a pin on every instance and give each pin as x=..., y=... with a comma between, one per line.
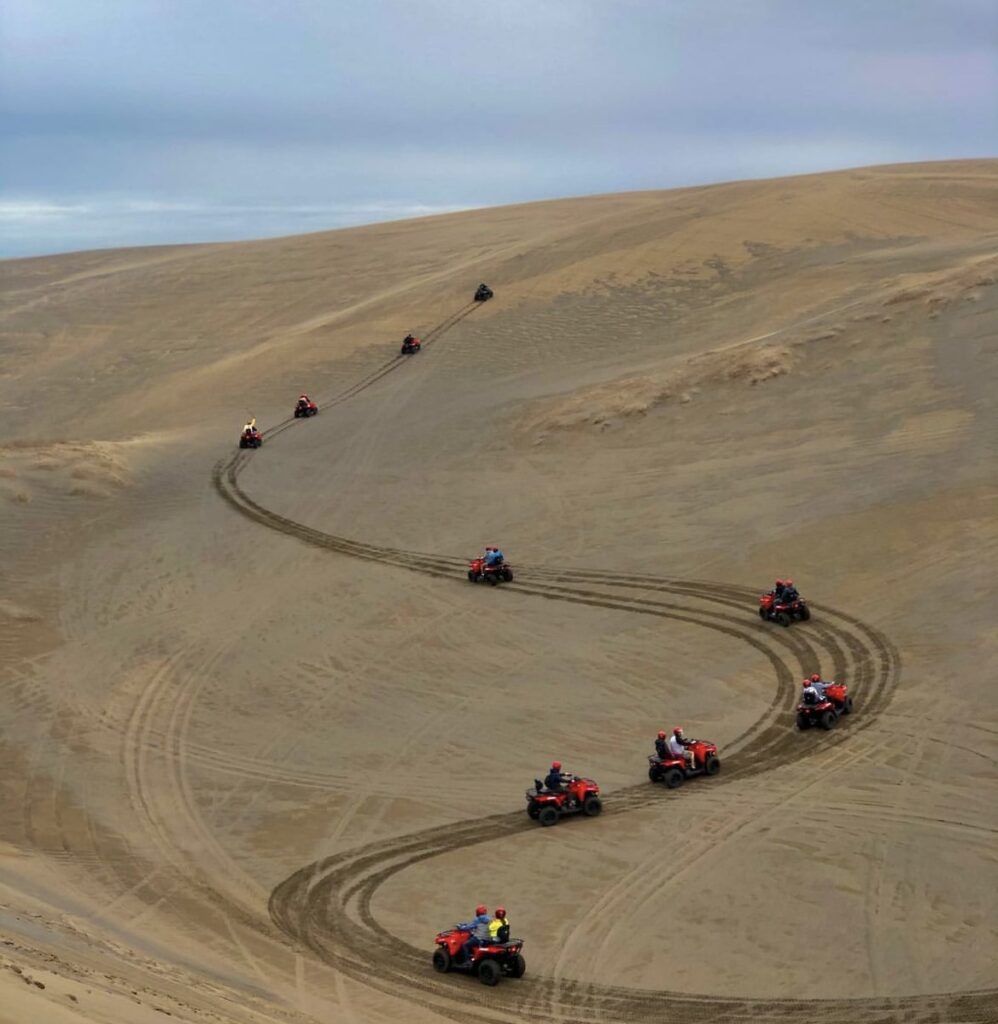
x=499, y=926
x=662, y=745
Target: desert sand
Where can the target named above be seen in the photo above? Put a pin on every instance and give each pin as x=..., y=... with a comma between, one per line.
x=260, y=739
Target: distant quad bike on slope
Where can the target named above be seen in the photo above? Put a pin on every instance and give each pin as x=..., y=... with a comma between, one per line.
x=410, y=345
x=824, y=713
x=250, y=438
x=674, y=771
x=783, y=612
x=479, y=572
x=490, y=963
x=580, y=796
x=305, y=407
x=483, y=293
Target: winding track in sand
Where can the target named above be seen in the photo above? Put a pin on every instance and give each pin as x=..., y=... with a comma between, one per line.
x=326, y=906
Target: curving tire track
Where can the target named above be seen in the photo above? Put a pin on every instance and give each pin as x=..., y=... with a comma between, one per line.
x=326, y=906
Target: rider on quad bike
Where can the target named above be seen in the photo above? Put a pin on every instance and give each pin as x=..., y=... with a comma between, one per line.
x=562, y=793
x=305, y=406
x=677, y=758
x=662, y=744
x=490, y=567
x=475, y=947
x=822, y=703
x=678, y=748
x=483, y=293
x=477, y=928
x=410, y=344
x=783, y=604
x=250, y=437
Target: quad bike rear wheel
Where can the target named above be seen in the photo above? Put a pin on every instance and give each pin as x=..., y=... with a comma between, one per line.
x=763, y=614
x=507, y=575
x=803, y=721
x=782, y=618
x=654, y=774
x=673, y=778
x=712, y=765
x=532, y=812
x=517, y=966
x=441, y=960
x=804, y=614
x=548, y=816
x=827, y=719
x=591, y=806
x=472, y=577
x=847, y=706
x=489, y=972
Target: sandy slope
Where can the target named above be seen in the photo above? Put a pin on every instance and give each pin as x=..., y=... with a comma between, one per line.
x=717, y=384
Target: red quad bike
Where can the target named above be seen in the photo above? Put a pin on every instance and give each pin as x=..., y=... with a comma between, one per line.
x=674, y=771
x=305, y=407
x=479, y=572
x=783, y=613
x=825, y=712
x=410, y=346
x=490, y=962
x=250, y=439
x=581, y=796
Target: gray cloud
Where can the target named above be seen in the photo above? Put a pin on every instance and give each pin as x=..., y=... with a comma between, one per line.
x=244, y=118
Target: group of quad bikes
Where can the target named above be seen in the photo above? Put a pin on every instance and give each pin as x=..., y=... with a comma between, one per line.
x=493, y=961
x=582, y=796
x=251, y=437
x=503, y=957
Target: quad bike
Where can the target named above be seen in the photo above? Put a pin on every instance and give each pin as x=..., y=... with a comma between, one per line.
x=483, y=293
x=580, y=796
x=783, y=612
x=250, y=439
x=674, y=771
x=479, y=572
x=305, y=407
x=410, y=345
x=490, y=962
x=824, y=713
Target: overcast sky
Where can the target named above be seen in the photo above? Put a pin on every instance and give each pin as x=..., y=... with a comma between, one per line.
x=129, y=122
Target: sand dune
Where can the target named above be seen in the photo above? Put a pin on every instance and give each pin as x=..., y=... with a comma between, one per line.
x=261, y=740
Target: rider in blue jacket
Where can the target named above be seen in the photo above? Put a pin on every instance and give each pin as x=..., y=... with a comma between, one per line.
x=479, y=928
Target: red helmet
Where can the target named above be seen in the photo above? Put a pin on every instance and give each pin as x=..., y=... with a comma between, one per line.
x=556, y=765
x=500, y=911
x=779, y=583
x=815, y=678
x=661, y=734
x=481, y=909
x=789, y=583
x=678, y=730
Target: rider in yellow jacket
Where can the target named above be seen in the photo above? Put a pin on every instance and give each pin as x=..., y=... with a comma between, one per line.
x=499, y=926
